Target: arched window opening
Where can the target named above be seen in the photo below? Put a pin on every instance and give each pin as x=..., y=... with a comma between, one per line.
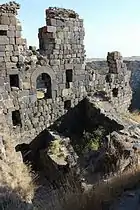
x=44, y=86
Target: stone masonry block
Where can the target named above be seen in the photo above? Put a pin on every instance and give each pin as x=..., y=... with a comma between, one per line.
x=14, y=59
x=51, y=29
x=9, y=48
x=2, y=48
x=51, y=22
x=5, y=20
x=11, y=66
x=18, y=27
x=69, y=66
x=60, y=23
x=4, y=27
x=12, y=41
x=1, y=59
x=1, y=81
x=12, y=28
x=18, y=34
x=4, y=40
x=2, y=54
x=13, y=21
x=11, y=34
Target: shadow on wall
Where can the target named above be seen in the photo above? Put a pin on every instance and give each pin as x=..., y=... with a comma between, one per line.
x=31, y=152
x=83, y=117
x=135, y=101
x=134, y=67
x=9, y=199
x=73, y=122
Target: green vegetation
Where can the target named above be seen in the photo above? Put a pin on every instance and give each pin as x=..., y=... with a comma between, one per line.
x=57, y=150
x=17, y=189
x=90, y=140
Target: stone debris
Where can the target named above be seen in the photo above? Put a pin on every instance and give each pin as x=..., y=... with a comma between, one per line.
x=60, y=13
x=110, y=79
x=10, y=8
x=37, y=87
x=64, y=153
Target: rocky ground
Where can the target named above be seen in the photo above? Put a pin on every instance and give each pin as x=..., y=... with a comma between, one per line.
x=130, y=200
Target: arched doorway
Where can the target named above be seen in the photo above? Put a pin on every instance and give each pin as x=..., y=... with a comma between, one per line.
x=43, y=85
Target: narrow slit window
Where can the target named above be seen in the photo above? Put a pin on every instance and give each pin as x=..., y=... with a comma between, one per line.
x=67, y=104
x=68, y=78
x=14, y=81
x=16, y=118
x=3, y=33
x=115, y=92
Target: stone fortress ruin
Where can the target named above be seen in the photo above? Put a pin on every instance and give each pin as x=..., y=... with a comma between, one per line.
x=38, y=87
x=54, y=90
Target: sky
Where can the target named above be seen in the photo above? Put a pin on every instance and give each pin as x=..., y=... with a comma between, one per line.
x=109, y=24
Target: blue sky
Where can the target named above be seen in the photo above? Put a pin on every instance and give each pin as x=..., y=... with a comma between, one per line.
x=109, y=24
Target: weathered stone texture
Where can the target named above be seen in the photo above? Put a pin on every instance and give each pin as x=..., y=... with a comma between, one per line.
x=37, y=88
x=110, y=79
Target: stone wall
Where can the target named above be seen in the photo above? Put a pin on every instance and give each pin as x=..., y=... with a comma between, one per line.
x=110, y=80
x=38, y=87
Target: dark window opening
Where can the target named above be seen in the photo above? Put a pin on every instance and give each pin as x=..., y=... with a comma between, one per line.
x=3, y=33
x=68, y=78
x=108, y=78
x=16, y=118
x=115, y=92
x=71, y=15
x=44, y=86
x=14, y=80
x=67, y=104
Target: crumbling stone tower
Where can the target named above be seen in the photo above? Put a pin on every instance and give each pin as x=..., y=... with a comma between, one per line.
x=11, y=46
x=38, y=88
x=62, y=42
x=110, y=80
x=118, y=79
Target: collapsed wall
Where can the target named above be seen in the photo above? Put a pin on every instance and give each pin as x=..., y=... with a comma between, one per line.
x=110, y=80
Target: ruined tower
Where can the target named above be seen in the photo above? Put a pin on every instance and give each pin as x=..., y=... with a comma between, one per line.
x=11, y=46
x=61, y=40
x=110, y=80
x=38, y=88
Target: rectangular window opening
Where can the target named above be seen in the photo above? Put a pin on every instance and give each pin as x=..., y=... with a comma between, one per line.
x=14, y=80
x=67, y=104
x=3, y=33
x=68, y=77
x=16, y=118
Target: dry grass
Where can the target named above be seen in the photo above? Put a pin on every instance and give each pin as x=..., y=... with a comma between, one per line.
x=14, y=175
x=103, y=193
x=17, y=187
x=58, y=152
x=135, y=116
